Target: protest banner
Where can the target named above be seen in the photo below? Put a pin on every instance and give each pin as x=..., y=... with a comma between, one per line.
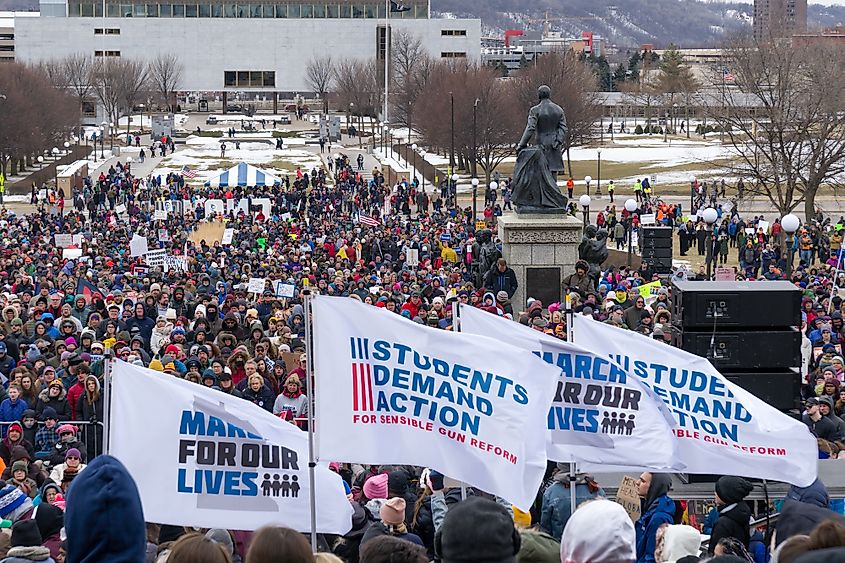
x=138, y=246
x=214, y=206
x=648, y=289
x=256, y=285
x=627, y=496
x=720, y=428
x=725, y=273
x=599, y=413
x=220, y=461
x=156, y=257
x=284, y=289
x=175, y=263
x=409, y=394
x=228, y=235
x=62, y=240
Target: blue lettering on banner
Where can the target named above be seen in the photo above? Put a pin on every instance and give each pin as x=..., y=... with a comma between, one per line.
x=217, y=457
x=699, y=400
x=452, y=395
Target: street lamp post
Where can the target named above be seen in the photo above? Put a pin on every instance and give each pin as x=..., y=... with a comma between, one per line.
x=474, y=138
x=666, y=126
x=598, y=173
x=474, y=198
x=710, y=215
x=493, y=187
x=630, y=206
x=790, y=224
x=453, y=190
x=414, y=149
x=383, y=139
x=587, y=180
x=452, y=132
x=691, y=194
x=422, y=173
x=111, y=137
x=585, y=201
x=55, y=153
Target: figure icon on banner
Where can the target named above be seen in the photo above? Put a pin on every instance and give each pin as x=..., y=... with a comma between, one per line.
x=611, y=424
x=286, y=487
x=267, y=486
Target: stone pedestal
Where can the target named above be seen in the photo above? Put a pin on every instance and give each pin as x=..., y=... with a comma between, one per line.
x=542, y=250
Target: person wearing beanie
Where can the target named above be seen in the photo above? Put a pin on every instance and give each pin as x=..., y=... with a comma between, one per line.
x=14, y=504
x=156, y=365
x=50, y=520
x=537, y=546
x=656, y=509
x=104, y=520
x=73, y=464
x=478, y=529
x=392, y=523
x=734, y=512
x=14, y=437
x=21, y=480
x=600, y=531
x=375, y=493
x=26, y=544
x=54, y=397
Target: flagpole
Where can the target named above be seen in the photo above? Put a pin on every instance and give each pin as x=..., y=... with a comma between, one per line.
x=570, y=318
x=386, y=59
x=456, y=324
x=107, y=367
x=570, y=337
x=309, y=368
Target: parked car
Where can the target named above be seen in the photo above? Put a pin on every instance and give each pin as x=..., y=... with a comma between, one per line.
x=211, y=120
x=284, y=119
x=292, y=108
x=234, y=108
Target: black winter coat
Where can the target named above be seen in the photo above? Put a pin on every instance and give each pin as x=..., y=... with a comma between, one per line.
x=732, y=523
x=264, y=398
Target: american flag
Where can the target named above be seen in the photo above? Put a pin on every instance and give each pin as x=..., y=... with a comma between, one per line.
x=187, y=172
x=365, y=219
x=727, y=74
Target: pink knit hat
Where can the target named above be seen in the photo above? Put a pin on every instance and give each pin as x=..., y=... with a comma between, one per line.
x=393, y=511
x=376, y=486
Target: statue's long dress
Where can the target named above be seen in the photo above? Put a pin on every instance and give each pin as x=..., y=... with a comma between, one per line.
x=533, y=183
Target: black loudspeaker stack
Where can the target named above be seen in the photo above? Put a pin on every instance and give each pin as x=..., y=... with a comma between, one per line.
x=750, y=331
x=657, y=248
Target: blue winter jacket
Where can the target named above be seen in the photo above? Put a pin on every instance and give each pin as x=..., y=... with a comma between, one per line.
x=12, y=412
x=557, y=505
x=661, y=511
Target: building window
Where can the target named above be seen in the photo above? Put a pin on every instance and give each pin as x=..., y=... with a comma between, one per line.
x=7, y=36
x=106, y=31
x=107, y=53
x=453, y=32
x=453, y=55
x=249, y=79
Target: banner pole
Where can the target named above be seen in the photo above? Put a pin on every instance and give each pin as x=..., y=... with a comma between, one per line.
x=309, y=367
x=570, y=318
x=573, y=504
x=107, y=367
x=456, y=324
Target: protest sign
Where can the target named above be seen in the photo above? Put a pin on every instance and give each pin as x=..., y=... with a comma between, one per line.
x=175, y=263
x=256, y=285
x=750, y=231
x=720, y=428
x=724, y=273
x=163, y=235
x=62, y=240
x=284, y=289
x=228, y=235
x=120, y=209
x=71, y=253
x=214, y=206
x=220, y=461
x=763, y=225
x=599, y=413
x=156, y=257
x=160, y=215
x=627, y=496
x=409, y=394
x=413, y=257
x=138, y=246
x=648, y=219
x=648, y=289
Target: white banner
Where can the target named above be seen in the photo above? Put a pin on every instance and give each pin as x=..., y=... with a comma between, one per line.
x=720, y=427
x=221, y=462
x=390, y=391
x=600, y=413
x=214, y=206
x=177, y=263
x=63, y=240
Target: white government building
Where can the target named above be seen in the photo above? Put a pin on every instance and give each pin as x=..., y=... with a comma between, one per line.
x=249, y=46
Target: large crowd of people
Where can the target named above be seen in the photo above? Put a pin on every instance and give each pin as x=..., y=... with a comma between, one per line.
x=400, y=247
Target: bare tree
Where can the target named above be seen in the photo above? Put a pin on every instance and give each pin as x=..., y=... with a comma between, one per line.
x=56, y=72
x=35, y=114
x=784, y=120
x=119, y=85
x=79, y=69
x=357, y=87
x=497, y=113
x=319, y=75
x=409, y=63
x=165, y=71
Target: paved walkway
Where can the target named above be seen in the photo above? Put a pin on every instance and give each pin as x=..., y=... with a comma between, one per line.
x=351, y=150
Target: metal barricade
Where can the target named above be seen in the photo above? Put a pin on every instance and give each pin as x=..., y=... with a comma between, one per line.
x=89, y=434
